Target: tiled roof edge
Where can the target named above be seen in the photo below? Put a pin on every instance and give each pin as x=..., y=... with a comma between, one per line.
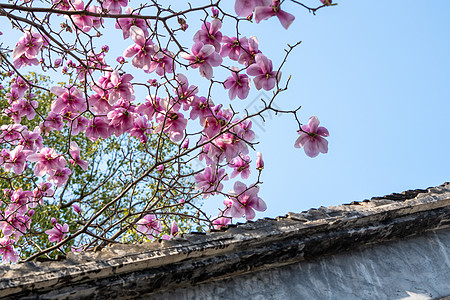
x=237, y=249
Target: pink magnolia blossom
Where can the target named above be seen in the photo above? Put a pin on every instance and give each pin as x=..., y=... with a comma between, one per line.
x=162, y=63
x=57, y=233
x=221, y=222
x=17, y=160
x=29, y=45
x=82, y=22
x=244, y=130
x=120, y=87
x=264, y=13
x=60, y=177
x=74, y=151
x=251, y=48
x=244, y=8
x=78, y=124
x=98, y=127
x=52, y=122
x=203, y=57
x=76, y=208
x=9, y=133
x=241, y=165
x=47, y=161
x=238, y=84
x=201, y=108
x=151, y=107
x=19, y=201
x=23, y=108
x=114, y=6
x=259, y=161
x=7, y=250
x=230, y=47
x=326, y=2
x=126, y=23
x=142, y=51
x=215, y=12
x=172, y=122
x=140, y=129
x=121, y=119
x=185, y=144
x=149, y=225
x=20, y=85
x=246, y=201
x=185, y=92
x=265, y=76
x=214, y=124
x=99, y=101
x=42, y=190
x=210, y=181
x=16, y=223
x=312, y=138
x=210, y=34
x=23, y=61
x=71, y=99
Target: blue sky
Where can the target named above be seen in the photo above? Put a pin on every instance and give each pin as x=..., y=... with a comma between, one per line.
x=376, y=74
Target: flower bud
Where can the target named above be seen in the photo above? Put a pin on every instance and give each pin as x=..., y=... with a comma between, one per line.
x=215, y=12
x=53, y=220
x=57, y=62
x=120, y=60
x=105, y=48
x=76, y=208
x=153, y=82
x=259, y=161
x=160, y=168
x=185, y=144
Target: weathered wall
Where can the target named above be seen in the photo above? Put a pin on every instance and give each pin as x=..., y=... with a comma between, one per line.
x=413, y=268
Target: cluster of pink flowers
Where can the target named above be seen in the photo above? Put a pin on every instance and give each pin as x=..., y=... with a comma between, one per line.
x=107, y=107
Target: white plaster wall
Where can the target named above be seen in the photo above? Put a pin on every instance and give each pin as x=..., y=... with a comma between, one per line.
x=412, y=268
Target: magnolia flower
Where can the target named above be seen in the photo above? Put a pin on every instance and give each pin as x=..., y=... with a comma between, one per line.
x=262, y=69
x=210, y=34
x=209, y=181
x=312, y=138
x=142, y=50
x=241, y=165
x=76, y=208
x=17, y=160
x=238, y=84
x=126, y=23
x=244, y=8
x=204, y=57
x=59, y=177
x=221, y=222
x=47, y=161
x=149, y=226
x=57, y=233
x=7, y=250
x=259, y=161
x=246, y=201
x=71, y=99
x=264, y=13
x=74, y=151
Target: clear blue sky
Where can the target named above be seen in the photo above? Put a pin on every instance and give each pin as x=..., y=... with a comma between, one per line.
x=376, y=74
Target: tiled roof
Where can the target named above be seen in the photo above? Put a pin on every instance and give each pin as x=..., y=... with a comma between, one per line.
x=193, y=258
